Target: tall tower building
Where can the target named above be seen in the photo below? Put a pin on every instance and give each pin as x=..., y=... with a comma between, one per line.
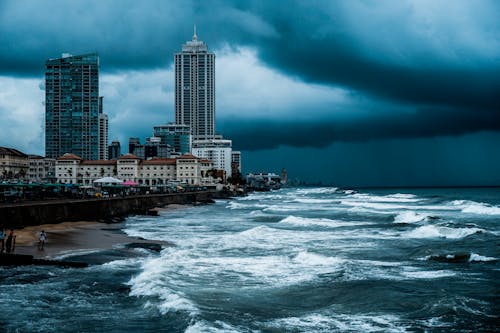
x=72, y=106
x=195, y=88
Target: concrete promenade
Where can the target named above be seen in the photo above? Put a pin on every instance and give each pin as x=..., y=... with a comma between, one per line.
x=18, y=215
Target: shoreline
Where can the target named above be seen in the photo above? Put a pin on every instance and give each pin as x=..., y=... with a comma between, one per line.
x=68, y=237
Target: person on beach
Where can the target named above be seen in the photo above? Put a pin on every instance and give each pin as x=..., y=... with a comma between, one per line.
x=10, y=244
x=3, y=233
x=41, y=240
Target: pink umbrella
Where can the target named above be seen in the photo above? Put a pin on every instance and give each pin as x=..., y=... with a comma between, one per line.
x=130, y=183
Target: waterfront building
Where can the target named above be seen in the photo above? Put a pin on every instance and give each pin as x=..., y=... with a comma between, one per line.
x=72, y=106
x=114, y=150
x=218, y=151
x=14, y=164
x=186, y=169
x=195, y=88
x=41, y=169
x=236, y=161
x=177, y=136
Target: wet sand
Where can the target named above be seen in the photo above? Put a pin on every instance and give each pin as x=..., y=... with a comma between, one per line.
x=70, y=236
x=67, y=237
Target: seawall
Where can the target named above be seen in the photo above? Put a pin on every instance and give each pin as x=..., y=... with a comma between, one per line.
x=43, y=212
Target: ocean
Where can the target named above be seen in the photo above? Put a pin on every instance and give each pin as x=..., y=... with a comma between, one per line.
x=293, y=260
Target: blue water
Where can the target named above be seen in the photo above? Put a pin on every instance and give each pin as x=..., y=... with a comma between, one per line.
x=294, y=260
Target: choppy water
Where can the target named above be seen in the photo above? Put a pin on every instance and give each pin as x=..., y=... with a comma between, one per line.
x=295, y=260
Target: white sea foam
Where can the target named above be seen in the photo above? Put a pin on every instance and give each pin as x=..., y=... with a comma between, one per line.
x=312, y=259
x=431, y=231
x=428, y=274
x=332, y=322
x=398, y=197
x=216, y=327
x=476, y=257
x=151, y=282
x=319, y=190
x=473, y=207
x=315, y=201
x=323, y=222
x=409, y=217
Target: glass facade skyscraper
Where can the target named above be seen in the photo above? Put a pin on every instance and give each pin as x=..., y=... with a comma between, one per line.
x=195, y=89
x=72, y=106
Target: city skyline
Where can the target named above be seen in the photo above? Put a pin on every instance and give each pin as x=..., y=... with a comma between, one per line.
x=332, y=91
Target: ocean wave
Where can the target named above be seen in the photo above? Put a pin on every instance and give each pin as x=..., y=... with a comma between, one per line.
x=373, y=205
x=323, y=222
x=314, y=201
x=473, y=207
x=318, y=190
x=398, y=197
x=312, y=259
x=151, y=282
x=333, y=322
x=431, y=231
x=410, y=217
x=216, y=327
x=429, y=274
x=478, y=258
x=459, y=258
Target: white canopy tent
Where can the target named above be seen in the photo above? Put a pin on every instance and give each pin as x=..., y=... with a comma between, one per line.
x=108, y=180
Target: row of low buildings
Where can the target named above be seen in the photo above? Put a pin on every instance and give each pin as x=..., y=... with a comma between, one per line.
x=71, y=169
x=186, y=169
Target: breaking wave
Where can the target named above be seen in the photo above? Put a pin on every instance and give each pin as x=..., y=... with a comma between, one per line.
x=431, y=231
x=473, y=207
x=410, y=217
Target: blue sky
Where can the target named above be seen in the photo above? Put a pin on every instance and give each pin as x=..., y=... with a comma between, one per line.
x=378, y=93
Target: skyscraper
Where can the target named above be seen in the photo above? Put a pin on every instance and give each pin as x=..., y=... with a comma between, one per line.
x=195, y=88
x=72, y=106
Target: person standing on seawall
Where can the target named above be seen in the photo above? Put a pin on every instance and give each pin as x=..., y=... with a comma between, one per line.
x=41, y=240
x=10, y=244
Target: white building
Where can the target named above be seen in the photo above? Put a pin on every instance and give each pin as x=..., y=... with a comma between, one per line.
x=195, y=88
x=186, y=169
x=218, y=151
x=41, y=169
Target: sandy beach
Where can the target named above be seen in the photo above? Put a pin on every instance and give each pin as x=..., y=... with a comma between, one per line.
x=70, y=236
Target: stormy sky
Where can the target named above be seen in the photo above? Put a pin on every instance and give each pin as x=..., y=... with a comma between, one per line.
x=354, y=93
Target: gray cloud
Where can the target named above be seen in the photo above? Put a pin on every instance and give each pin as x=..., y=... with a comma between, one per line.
x=435, y=64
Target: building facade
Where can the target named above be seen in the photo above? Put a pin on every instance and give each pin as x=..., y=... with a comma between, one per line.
x=13, y=164
x=114, y=150
x=217, y=151
x=187, y=169
x=178, y=137
x=195, y=88
x=72, y=106
x=41, y=169
x=103, y=136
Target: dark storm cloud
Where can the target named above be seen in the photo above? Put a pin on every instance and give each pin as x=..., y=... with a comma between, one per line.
x=441, y=59
x=428, y=122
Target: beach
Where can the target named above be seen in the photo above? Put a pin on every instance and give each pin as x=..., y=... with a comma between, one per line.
x=72, y=237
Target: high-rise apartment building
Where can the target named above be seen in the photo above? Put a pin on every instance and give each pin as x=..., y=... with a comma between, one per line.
x=195, y=89
x=72, y=106
x=114, y=150
x=178, y=137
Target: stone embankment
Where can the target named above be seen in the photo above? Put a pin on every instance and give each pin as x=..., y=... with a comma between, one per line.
x=20, y=215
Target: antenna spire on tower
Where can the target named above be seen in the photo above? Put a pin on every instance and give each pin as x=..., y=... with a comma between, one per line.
x=194, y=35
